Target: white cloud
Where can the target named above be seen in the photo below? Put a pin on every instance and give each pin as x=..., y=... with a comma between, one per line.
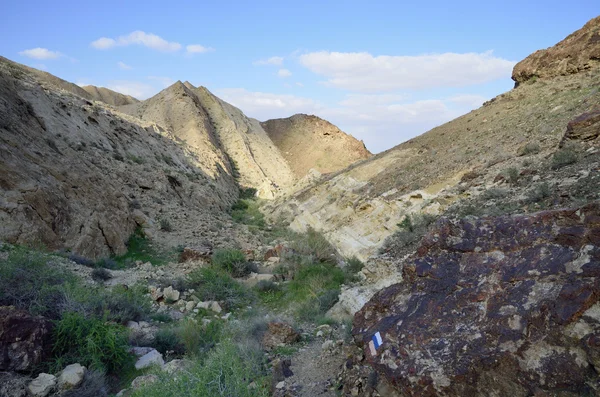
x=277, y=61
x=134, y=88
x=124, y=66
x=103, y=43
x=197, y=49
x=299, y=84
x=283, y=73
x=163, y=81
x=367, y=73
x=138, y=37
x=263, y=106
x=41, y=53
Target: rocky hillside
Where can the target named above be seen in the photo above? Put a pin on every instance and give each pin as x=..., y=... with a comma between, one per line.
x=78, y=175
x=307, y=141
x=517, y=132
x=221, y=136
x=109, y=96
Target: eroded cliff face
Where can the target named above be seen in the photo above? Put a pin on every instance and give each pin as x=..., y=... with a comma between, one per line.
x=493, y=306
x=78, y=175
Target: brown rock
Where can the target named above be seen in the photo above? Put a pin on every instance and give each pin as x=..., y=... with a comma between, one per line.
x=579, y=51
x=585, y=127
x=509, y=304
x=24, y=339
x=274, y=252
x=195, y=254
x=279, y=334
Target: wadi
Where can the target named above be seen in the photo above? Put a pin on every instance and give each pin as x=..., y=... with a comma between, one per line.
x=174, y=246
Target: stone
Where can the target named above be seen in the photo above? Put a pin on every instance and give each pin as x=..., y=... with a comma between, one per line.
x=578, y=52
x=149, y=359
x=156, y=293
x=143, y=380
x=71, y=376
x=281, y=369
x=280, y=385
x=42, y=385
x=13, y=384
x=177, y=365
x=215, y=307
x=584, y=128
x=203, y=305
x=171, y=294
x=508, y=304
x=140, y=351
x=189, y=306
x=24, y=339
x=328, y=345
x=279, y=334
x=274, y=252
x=274, y=259
x=195, y=254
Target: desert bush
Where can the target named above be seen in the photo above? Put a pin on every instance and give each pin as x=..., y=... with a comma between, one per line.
x=227, y=370
x=165, y=225
x=512, y=175
x=107, y=263
x=101, y=274
x=81, y=260
x=353, y=266
x=233, y=261
x=92, y=342
x=494, y=194
x=267, y=286
x=215, y=284
x=28, y=282
x=248, y=193
x=528, y=149
x=564, y=157
x=312, y=245
x=140, y=248
x=247, y=212
x=538, y=193
x=412, y=229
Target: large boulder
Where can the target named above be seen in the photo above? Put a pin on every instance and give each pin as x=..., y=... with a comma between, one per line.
x=578, y=52
x=24, y=339
x=493, y=306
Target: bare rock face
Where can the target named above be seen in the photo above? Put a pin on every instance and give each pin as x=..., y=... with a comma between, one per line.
x=24, y=339
x=309, y=142
x=279, y=334
x=493, y=306
x=578, y=52
x=585, y=127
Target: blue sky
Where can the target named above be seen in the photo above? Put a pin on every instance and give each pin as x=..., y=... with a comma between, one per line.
x=384, y=71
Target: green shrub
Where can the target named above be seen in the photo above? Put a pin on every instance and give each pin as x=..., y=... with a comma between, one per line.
x=314, y=246
x=227, y=370
x=165, y=225
x=91, y=342
x=81, y=260
x=539, y=193
x=28, y=282
x=233, y=261
x=167, y=341
x=247, y=212
x=494, y=194
x=140, y=248
x=413, y=228
x=564, y=157
x=353, y=266
x=101, y=274
x=530, y=148
x=215, y=284
x=107, y=263
x=512, y=175
x=248, y=193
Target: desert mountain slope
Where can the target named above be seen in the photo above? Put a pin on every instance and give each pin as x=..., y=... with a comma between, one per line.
x=109, y=96
x=80, y=176
x=220, y=135
x=362, y=205
x=308, y=141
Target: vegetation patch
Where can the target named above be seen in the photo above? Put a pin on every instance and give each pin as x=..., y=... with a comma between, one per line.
x=564, y=157
x=140, y=248
x=233, y=261
x=215, y=284
x=247, y=212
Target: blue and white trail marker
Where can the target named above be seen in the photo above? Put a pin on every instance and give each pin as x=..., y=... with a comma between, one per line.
x=375, y=343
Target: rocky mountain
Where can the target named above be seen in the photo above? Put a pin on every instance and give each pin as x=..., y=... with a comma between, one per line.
x=307, y=141
x=78, y=175
x=109, y=96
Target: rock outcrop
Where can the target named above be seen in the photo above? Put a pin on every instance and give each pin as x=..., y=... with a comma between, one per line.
x=585, y=128
x=307, y=141
x=24, y=339
x=109, y=96
x=578, y=52
x=493, y=306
